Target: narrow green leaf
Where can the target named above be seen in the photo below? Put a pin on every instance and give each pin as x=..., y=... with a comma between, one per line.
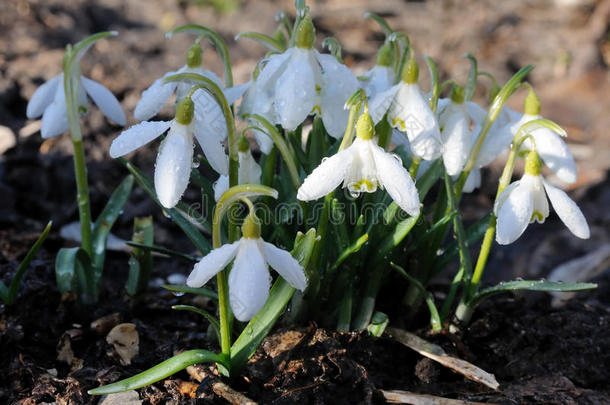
x=529, y=285
x=211, y=318
x=471, y=83
x=379, y=321
x=103, y=224
x=350, y=250
x=267, y=41
x=11, y=291
x=200, y=242
x=429, y=178
x=383, y=24
x=160, y=371
x=73, y=273
x=183, y=289
x=281, y=292
x=164, y=251
x=473, y=234
x=400, y=231
x=140, y=262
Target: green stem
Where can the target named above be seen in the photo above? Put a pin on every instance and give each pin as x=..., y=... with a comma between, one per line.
x=414, y=167
x=82, y=196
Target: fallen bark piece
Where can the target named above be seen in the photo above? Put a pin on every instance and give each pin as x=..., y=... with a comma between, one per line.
x=121, y=398
x=230, y=395
x=406, y=397
x=124, y=337
x=437, y=353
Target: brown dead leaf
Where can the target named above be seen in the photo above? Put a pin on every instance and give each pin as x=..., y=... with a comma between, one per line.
x=406, y=397
x=124, y=337
x=437, y=353
x=105, y=323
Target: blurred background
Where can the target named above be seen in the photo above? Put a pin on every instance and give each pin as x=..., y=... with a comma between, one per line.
x=567, y=40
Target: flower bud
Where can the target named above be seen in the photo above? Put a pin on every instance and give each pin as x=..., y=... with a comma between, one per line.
x=410, y=72
x=533, y=164
x=194, y=56
x=457, y=94
x=365, y=129
x=385, y=56
x=185, y=111
x=531, y=106
x=251, y=228
x=306, y=33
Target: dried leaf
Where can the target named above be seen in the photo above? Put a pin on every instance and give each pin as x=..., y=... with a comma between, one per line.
x=406, y=397
x=124, y=337
x=121, y=398
x=437, y=353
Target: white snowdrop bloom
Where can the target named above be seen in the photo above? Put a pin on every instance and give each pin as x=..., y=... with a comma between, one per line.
x=381, y=77
x=175, y=158
x=473, y=181
x=408, y=110
x=363, y=167
x=155, y=97
x=49, y=100
x=301, y=81
x=249, y=280
x=249, y=171
x=525, y=201
x=456, y=134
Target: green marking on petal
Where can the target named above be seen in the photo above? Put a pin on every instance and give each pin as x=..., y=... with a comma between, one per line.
x=538, y=217
x=397, y=122
x=318, y=89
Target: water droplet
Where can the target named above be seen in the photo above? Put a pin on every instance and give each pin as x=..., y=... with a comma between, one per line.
x=195, y=164
x=121, y=212
x=177, y=293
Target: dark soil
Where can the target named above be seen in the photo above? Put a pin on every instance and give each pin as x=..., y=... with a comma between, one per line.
x=538, y=353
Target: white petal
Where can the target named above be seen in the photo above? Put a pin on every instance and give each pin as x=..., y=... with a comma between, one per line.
x=396, y=180
x=381, y=102
x=209, y=118
x=473, y=181
x=380, y=79
x=326, y=177
x=249, y=171
x=295, y=90
x=55, y=116
x=286, y=265
x=427, y=147
x=541, y=204
x=154, y=98
x=220, y=186
x=105, y=100
x=273, y=68
x=339, y=83
x=235, y=92
x=456, y=138
x=514, y=213
x=213, y=150
x=476, y=112
x=184, y=87
x=43, y=96
x=211, y=264
x=411, y=113
x=568, y=211
x=555, y=154
x=249, y=281
x=137, y=136
x=497, y=139
x=265, y=143
x=173, y=166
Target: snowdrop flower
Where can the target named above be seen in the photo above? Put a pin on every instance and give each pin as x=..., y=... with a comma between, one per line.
x=249, y=280
x=549, y=145
x=300, y=82
x=455, y=132
x=49, y=100
x=258, y=101
x=525, y=201
x=408, y=110
x=381, y=77
x=175, y=158
x=363, y=167
x=155, y=97
x=249, y=171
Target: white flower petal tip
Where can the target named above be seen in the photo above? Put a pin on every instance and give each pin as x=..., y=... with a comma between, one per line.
x=211, y=264
x=286, y=265
x=326, y=177
x=105, y=100
x=154, y=98
x=513, y=212
x=568, y=211
x=55, y=119
x=173, y=166
x=137, y=136
x=43, y=97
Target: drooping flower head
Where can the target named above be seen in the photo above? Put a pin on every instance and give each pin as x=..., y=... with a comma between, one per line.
x=249, y=280
x=249, y=171
x=363, y=167
x=381, y=77
x=525, y=201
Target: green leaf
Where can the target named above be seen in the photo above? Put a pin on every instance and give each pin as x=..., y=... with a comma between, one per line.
x=529, y=285
x=429, y=178
x=103, y=224
x=383, y=24
x=281, y=292
x=160, y=371
x=473, y=234
x=190, y=230
x=140, y=262
x=73, y=273
x=163, y=250
x=379, y=321
x=182, y=289
x=400, y=231
x=211, y=318
x=347, y=252
x=471, y=83
x=271, y=43
x=8, y=295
